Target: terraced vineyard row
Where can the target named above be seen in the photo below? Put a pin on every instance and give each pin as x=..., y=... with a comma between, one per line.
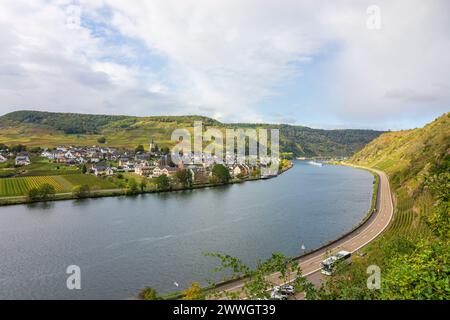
x=408, y=216
x=10, y=187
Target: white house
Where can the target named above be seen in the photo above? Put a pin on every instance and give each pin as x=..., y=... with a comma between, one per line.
x=159, y=171
x=69, y=155
x=22, y=161
x=124, y=161
x=102, y=170
x=3, y=159
x=143, y=169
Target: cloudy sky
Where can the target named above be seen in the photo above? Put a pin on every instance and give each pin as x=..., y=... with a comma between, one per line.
x=325, y=64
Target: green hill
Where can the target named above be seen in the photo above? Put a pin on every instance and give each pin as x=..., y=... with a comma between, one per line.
x=414, y=253
x=408, y=156
x=48, y=129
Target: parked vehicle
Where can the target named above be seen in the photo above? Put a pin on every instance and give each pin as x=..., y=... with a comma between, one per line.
x=285, y=289
x=277, y=295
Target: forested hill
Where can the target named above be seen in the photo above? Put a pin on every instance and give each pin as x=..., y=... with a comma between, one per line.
x=52, y=129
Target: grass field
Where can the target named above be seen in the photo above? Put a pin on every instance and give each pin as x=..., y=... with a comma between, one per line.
x=39, y=167
x=11, y=187
x=92, y=181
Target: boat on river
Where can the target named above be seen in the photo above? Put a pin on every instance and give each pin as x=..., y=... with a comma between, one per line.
x=315, y=163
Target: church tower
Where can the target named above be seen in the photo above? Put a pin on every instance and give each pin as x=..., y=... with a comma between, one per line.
x=152, y=146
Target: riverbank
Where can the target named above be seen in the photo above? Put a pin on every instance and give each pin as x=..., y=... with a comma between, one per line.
x=17, y=200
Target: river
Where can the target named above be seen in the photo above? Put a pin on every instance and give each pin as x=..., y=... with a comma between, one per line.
x=123, y=244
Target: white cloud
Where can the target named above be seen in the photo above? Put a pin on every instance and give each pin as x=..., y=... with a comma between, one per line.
x=46, y=65
x=224, y=55
x=393, y=72
x=226, y=58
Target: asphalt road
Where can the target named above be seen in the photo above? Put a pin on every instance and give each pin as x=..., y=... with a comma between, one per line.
x=352, y=242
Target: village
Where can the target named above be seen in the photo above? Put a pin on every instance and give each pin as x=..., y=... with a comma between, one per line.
x=105, y=161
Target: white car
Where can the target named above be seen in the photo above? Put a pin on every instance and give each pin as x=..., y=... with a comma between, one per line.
x=277, y=295
x=285, y=289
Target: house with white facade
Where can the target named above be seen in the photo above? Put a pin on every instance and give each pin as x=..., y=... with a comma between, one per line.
x=101, y=169
x=159, y=171
x=143, y=169
x=22, y=161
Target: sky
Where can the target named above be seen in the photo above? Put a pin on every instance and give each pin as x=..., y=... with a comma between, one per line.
x=324, y=64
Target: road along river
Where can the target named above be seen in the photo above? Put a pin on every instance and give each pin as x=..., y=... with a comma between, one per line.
x=352, y=242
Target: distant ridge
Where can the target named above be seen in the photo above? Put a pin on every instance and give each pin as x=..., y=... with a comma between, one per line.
x=53, y=128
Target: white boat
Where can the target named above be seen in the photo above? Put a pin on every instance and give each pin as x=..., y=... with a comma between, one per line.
x=314, y=163
x=268, y=176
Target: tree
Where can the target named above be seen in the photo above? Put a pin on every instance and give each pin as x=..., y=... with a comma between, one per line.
x=221, y=173
x=17, y=148
x=46, y=191
x=83, y=169
x=439, y=220
x=423, y=275
x=101, y=140
x=33, y=194
x=163, y=182
x=139, y=149
x=149, y=293
x=256, y=173
x=165, y=150
x=279, y=263
x=43, y=192
x=184, y=177
x=284, y=164
x=143, y=185
x=36, y=150
x=82, y=191
x=194, y=292
x=213, y=180
x=132, y=186
x=258, y=284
